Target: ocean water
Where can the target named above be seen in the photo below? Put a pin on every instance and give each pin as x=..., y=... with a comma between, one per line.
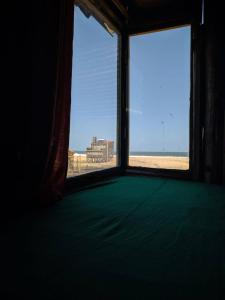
x=164, y=153
x=149, y=153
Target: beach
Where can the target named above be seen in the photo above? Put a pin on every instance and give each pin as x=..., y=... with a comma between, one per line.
x=162, y=162
x=81, y=166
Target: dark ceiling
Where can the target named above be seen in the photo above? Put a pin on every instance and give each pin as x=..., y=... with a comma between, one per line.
x=147, y=14
x=153, y=4
x=150, y=3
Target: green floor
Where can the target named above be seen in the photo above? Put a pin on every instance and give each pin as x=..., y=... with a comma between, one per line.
x=132, y=238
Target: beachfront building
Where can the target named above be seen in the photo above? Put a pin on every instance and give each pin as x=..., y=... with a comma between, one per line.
x=101, y=150
x=71, y=166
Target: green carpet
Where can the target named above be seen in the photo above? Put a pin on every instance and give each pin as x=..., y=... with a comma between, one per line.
x=132, y=238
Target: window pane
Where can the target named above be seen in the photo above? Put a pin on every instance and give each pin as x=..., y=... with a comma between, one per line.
x=159, y=99
x=93, y=125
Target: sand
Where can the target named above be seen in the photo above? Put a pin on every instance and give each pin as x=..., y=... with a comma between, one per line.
x=163, y=162
x=81, y=166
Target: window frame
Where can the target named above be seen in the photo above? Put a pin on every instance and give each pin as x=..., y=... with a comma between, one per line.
x=195, y=122
x=95, y=176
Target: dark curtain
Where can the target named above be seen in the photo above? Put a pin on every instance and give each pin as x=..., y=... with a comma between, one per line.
x=56, y=161
x=47, y=151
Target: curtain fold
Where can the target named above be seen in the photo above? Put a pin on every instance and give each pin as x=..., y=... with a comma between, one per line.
x=55, y=164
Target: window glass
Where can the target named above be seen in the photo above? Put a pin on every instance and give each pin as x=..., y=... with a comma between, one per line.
x=160, y=99
x=93, y=121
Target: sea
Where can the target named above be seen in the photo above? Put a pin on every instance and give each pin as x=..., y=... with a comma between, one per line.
x=150, y=153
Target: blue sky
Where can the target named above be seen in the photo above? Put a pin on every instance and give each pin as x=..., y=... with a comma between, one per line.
x=159, y=87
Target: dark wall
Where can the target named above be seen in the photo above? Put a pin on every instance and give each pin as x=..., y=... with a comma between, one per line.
x=34, y=125
x=44, y=60
x=214, y=165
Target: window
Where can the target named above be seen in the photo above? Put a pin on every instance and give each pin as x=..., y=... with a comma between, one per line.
x=160, y=99
x=93, y=126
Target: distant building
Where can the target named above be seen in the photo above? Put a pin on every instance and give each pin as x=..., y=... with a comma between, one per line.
x=100, y=151
x=70, y=162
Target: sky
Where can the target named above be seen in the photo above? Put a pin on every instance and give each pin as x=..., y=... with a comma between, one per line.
x=159, y=87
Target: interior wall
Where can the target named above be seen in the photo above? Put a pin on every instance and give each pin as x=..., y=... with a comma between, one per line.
x=15, y=89
x=37, y=115
x=214, y=165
